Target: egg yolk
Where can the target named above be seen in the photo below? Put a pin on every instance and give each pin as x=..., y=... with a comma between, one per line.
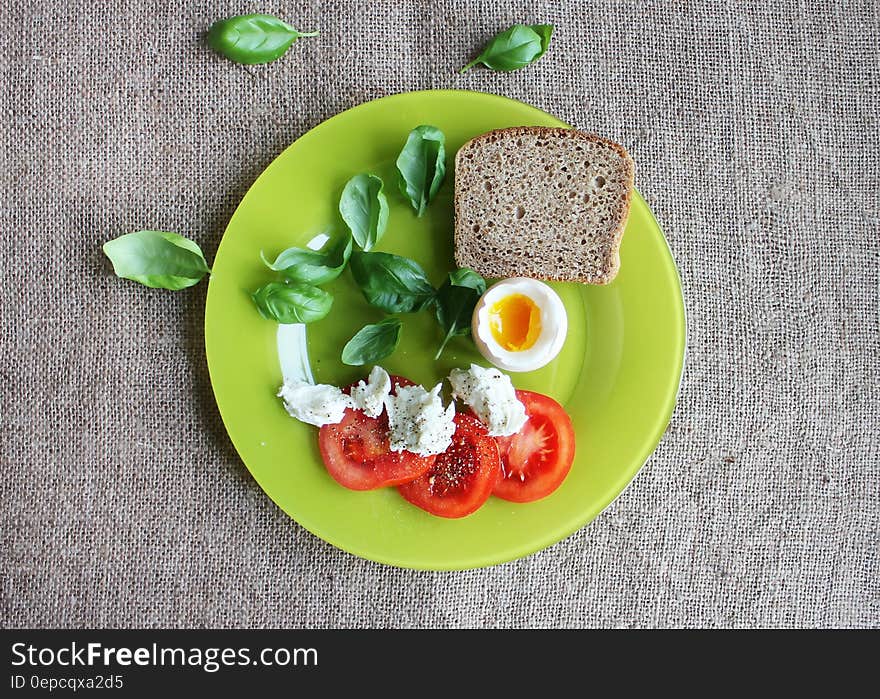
x=515, y=322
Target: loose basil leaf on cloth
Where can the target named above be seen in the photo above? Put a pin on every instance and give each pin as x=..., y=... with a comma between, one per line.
x=372, y=343
x=253, y=39
x=514, y=48
x=311, y=266
x=364, y=209
x=421, y=166
x=393, y=283
x=157, y=259
x=292, y=303
x=545, y=31
x=455, y=304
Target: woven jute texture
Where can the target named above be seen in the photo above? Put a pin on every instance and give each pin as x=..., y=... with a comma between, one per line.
x=754, y=127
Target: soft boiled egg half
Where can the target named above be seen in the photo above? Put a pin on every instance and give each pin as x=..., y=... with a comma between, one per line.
x=519, y=324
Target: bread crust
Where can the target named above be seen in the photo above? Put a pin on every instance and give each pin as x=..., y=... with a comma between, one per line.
x=611, y=261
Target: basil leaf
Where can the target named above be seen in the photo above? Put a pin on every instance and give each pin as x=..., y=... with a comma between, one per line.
x=421, y=166
x=466, y=277
x=545, y=31
x=364, y=209
x=393, y=283
x=310, y=266
x=514, y=48
x=372, y=343
x=253, y=39
x=292, y=303
x=455, y=304
x=157, y=259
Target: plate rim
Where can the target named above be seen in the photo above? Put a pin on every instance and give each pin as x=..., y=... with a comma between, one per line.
x=552, y=538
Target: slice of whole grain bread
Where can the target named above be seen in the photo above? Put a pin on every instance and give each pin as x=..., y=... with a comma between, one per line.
x=540, y=202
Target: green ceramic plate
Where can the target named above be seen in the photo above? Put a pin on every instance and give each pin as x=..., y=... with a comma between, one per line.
x=617, y=375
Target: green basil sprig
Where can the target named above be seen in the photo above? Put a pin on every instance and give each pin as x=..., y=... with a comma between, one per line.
x=514, y=48
x=158, y=259
x=455, y=304
x=364, y=209
x=292, y=303
x=372, y=343
x=422, y=166
x=310, y=266
x=393, y=283
x=253, y=39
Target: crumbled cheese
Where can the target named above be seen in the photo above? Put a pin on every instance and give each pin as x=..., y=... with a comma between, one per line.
x=369, y=396
x=317, y=404
x=418, y=422
x=491, y=396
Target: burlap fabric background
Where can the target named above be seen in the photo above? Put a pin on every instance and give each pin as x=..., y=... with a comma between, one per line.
x=755, y=132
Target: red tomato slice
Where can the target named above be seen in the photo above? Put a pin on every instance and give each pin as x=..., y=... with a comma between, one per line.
x=536, y=459
x=462, y=477
x=357, y=451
